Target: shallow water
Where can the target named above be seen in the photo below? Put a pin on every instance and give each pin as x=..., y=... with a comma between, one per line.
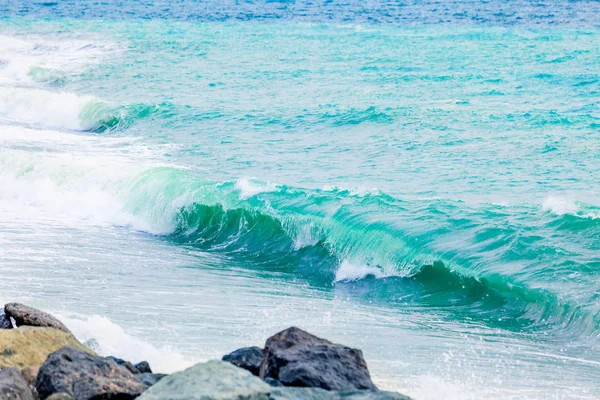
x=416, y=180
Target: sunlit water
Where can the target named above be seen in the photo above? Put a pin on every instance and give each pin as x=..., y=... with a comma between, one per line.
x=419, y=181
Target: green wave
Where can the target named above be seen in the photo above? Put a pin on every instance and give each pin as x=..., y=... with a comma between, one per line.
x=99, y=116
x=286, y=230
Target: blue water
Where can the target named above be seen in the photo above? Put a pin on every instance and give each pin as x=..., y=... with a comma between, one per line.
x=419, y=179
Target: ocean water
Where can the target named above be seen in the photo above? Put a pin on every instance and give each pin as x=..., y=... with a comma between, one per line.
x=416, y=179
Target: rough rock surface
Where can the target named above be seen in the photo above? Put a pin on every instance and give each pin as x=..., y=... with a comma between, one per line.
x=248, y=358
x=149, y=379
x=29, y=316
x=30, y=346
x=60, y=396
x=85, y=376
x=371, y=395
x=143, y=367
x=298, y=358
x=301, y=393
x=13, y=386
x=214, y=380
x=5, y=321
x=273, y=382
x=30, y=374
x=126, y=364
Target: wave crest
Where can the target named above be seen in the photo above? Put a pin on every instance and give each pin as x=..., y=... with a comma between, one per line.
x=64, y=110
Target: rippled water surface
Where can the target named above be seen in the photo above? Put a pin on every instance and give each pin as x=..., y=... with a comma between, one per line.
x=419, y=179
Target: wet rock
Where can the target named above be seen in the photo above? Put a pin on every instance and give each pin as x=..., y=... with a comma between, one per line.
x=301, y=393
x=298, y=358
x=30, y=374
x=5, y=321
x=60, y=396
x=149, y=379
x=30, y=346
x=129, y=366
x=29, y=316
x=85, y=376
x=214, y=380
x=13, y=386
x=248, y=358
x=143, y=367
x=372, y=395
x=273, y=382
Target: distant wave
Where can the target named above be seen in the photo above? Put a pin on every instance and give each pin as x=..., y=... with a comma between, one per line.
x=564, y=206
x=64, y=110
x=26, y=60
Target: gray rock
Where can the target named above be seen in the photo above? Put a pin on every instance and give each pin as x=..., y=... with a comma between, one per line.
x=371, y=395
x=13, y=386
x=84, y=376
x=273, y=382
x=29, y=316
x=149, y=379
x=5, y=321
x=60, y=396
x=248, y=358
x=298, y=358
x=214, y=380
x=301, y=393
x=130, y=367
x=143, y=367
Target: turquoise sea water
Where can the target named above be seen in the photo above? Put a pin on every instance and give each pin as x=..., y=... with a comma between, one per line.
x=418, y=180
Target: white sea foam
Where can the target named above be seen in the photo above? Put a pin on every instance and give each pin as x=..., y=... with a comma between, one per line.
x=59, y=110
x=108, y=338
x=559, y=205
x=349, y=271
x=81, y=180
x=565, y=206
x=353, y=191
x=20, y=55
x=251, y=187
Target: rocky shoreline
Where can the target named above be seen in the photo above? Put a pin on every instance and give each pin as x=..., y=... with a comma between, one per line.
x=41, y=359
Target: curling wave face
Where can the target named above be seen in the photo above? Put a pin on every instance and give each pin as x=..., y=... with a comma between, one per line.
x=325, y=236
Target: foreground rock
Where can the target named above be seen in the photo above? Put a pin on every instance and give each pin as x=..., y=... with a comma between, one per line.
x=149, y=379
x=297, y=358
x=13, y=386
x=60, y=396
x=30, y=375
x=140, y=368
x=84, y=376
x=248, y=358
x=29, y=316
x=214, y=380
x=125, y=364
x=298, y=393
x=302, y=393
x=29, y=346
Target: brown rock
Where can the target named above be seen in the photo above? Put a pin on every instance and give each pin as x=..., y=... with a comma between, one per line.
x=297, y=358
x=29, y=316
x=30, y=374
